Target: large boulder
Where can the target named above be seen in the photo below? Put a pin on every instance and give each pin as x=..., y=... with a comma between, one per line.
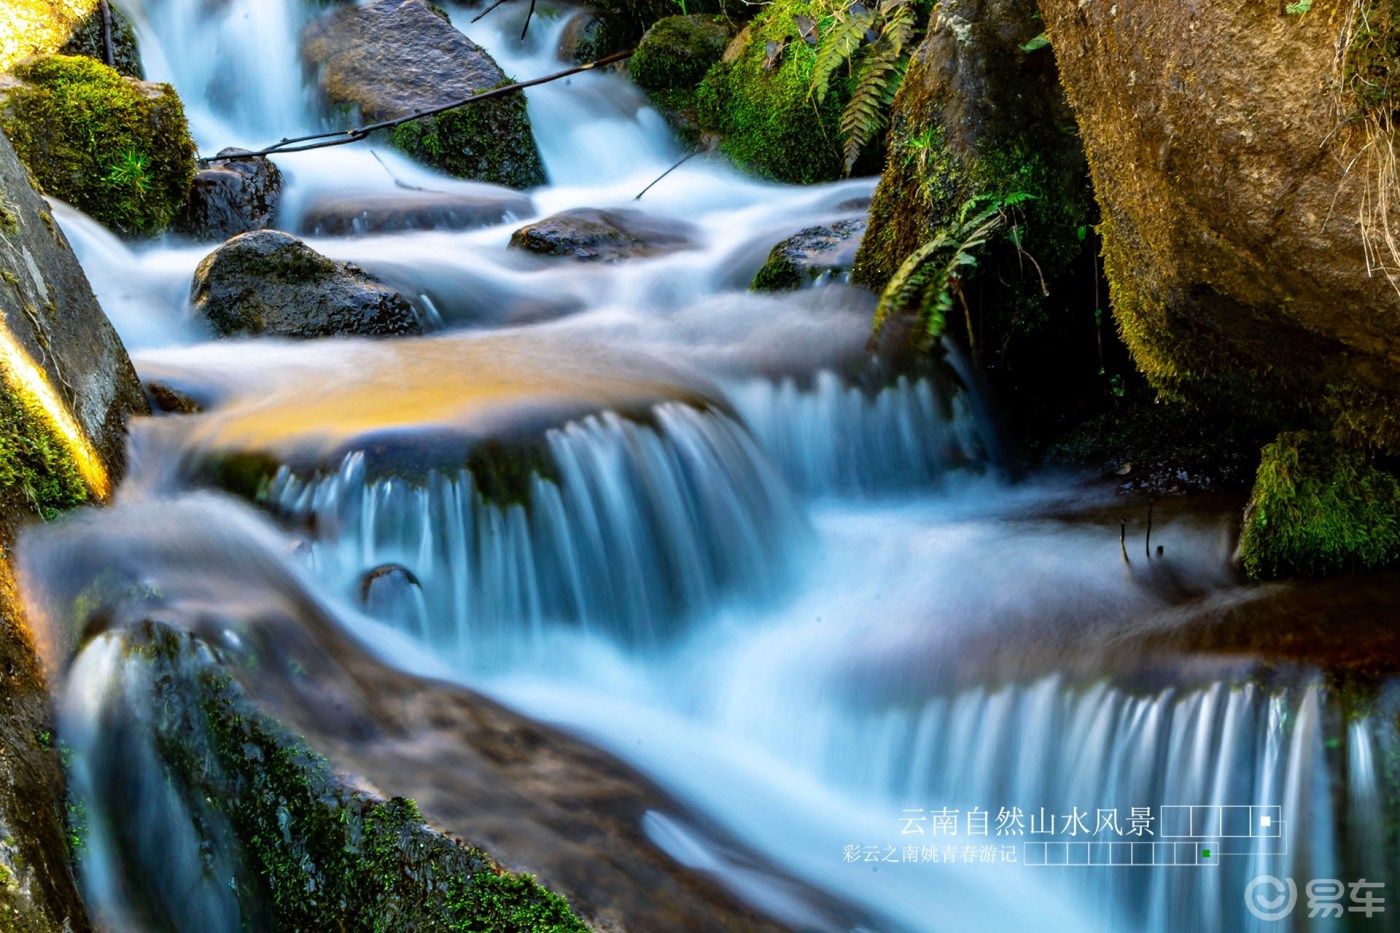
x=590, y=35
x=396, y=57
x=66, y=393
x=677, y=51
x=1234, y=153
x=116, y=148
x=590, y=235
x=269, y=282
x=232, y=196
x=69, y=27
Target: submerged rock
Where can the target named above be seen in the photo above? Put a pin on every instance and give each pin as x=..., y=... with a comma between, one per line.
x=232, y=197
x=67, y=391
x=1233, y=152
x=116, y=148
x=809, y=255
x=269, y=282
x=356, y=215
x=590, y=235
x=394, y=58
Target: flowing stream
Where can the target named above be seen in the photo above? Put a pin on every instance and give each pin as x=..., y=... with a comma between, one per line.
x=794, y=586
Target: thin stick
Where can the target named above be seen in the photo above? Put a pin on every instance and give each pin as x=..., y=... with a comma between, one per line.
x=344, y=137
x=1123, y=540
x=108, y=55
x=701, y=151
x=528, y=14
x=1148, y=546
x=477, y=17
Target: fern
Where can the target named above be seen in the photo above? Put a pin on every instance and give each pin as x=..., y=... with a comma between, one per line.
x=877, y=58
x=930, y=280
x=838, y=45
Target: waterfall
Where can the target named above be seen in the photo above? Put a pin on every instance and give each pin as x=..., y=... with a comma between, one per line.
x=644, y=525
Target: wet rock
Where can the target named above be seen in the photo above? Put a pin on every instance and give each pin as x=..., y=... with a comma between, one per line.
x=811, y=255
x=356, y=215
x=232, y=197
x=52, y=318
x=353, y=49
x=116, y=148
x=590, y=235
x=269, y=282
x=590, y=35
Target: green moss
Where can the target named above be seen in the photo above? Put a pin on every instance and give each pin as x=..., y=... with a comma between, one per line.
x=1370, y=73
x=677, y=51
x=35, y=461
x=488, y=142
x=771, y=125
x=317, y=855
x=97, y=141
x=87, y=41
x=778, y=274
x=1319, y=508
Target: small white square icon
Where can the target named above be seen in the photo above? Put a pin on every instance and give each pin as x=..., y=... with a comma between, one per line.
x=1266, y=821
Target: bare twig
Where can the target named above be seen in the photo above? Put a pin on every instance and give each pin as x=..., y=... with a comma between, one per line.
x=529, y=14
x=109, y=57
x=1123, y=540
x=1147, y=546
x=701, y=151
x=344, y=137
x=477, y=17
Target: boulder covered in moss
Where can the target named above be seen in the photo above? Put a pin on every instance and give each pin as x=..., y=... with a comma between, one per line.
x=637, y=16
x=811, y=255
x=394, y=58
x=68, y=27
x=116, y=148
x=1319, y=508
x=269, y=282
x=1246, y=176
x=232, y=196
x=758, y=100
x=590, y=235
x=284, y=841
x=590, y=35
x=677, y=51
x=67, y=389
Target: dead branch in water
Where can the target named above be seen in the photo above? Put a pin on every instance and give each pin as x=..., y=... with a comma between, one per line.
x=344, y=137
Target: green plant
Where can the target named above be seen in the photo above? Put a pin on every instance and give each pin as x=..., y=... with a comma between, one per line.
x=131, y=171
x=874, y=46
x=1299, y=8
x=931, y=279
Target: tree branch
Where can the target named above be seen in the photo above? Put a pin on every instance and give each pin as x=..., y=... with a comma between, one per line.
x=345, y=137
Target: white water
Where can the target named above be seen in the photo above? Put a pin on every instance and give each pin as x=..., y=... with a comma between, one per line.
x=797, y=619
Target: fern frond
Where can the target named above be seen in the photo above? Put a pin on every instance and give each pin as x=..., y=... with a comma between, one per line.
x=838, y=44
x=927, y=278
x=867, y=112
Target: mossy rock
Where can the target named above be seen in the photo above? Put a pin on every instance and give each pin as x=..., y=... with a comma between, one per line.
x=809, y=256
x=87, y=41
x=590, y=35
x=677, y=51
x=770, y=123
x=315, y=854
x=1319, y=508
x=116, y=148
x=351, y=49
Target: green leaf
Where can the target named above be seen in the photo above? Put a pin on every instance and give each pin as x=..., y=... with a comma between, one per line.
x=1042, y=40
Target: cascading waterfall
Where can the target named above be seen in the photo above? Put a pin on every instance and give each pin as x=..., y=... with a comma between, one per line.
x=791, y=610
x=643, y=524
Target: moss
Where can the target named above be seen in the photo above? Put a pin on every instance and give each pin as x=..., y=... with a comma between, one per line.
x=770, y=124
x=1370, y=74
x=101, y=143
x=317, y=855
x=488, y=142
x=87, y=41
x=35, y=461
x=677, y=51
x=1319, y=508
